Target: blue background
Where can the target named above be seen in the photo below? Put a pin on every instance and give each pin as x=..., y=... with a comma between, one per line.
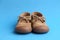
x=11, y=9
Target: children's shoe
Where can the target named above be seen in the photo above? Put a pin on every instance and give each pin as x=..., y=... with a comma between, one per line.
x=24, y=23
x=38, y=23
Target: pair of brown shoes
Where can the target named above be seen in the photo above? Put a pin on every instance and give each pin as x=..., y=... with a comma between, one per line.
x=34, y=22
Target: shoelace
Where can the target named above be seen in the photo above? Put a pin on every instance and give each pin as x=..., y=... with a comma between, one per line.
x=26, y=18
x=42, y=19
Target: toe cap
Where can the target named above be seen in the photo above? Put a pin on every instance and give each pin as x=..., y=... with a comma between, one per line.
x=23, y=29
x=41, y=29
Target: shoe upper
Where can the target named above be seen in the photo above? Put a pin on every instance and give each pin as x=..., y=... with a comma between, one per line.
x=24, y=24
x=38, y=23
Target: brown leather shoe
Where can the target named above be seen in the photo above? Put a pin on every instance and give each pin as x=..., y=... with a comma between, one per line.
x=38, y=23
x=24, y=23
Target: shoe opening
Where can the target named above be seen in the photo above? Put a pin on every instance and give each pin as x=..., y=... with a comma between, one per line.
x=26, y=14
x=38, y=14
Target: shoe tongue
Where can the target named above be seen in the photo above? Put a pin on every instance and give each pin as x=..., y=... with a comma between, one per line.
x=28, y=17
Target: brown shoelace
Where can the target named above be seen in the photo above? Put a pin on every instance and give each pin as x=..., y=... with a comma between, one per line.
x=42, y=19
x=26, y=18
